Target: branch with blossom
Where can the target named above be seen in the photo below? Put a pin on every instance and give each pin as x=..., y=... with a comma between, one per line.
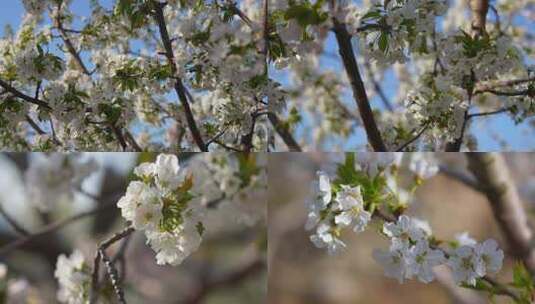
x=446, y=68
x=371, y=186
x=166, y=202
x=109, y=84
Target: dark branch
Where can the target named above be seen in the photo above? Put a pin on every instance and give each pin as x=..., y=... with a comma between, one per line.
x=284, y=133
x=179, y=86
x=359, y=92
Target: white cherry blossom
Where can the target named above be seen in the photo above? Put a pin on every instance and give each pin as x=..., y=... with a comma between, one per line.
x=74, y=276
x=351, y=207
x=421, y=259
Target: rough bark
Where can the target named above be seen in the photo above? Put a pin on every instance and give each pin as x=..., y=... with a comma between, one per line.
x=494, y=179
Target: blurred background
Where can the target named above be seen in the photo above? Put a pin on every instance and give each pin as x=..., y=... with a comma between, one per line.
x=229, y=266
x=301, y=273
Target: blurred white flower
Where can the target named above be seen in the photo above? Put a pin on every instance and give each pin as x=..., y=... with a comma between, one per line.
x=394, y=261
x=74, y=278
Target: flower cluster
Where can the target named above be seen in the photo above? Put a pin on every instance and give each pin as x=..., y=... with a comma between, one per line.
x=389, y=31
x=74, y=276
x=444, y=65
x=34, y=7
x=95, y=85
x=332, y=215
x=35, y=65
x=50, y=179
x=470, y=260
x=159, y=204
x=410, y=254
x=235, y=183
x=360, y=187
x=363, y=189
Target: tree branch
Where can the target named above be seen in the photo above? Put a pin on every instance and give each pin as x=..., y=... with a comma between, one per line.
x=499, y=111
x=70, y=47
x=230, y=279
x=359, y=92
x=479, y=16
x=8, y=248
x=413, y=139
x=110, y=267
x=482, y=87
x=23, y=96
x=493, y=177
x=286, y=136
x=461, y=177
x=377, y=87
x=180, y=89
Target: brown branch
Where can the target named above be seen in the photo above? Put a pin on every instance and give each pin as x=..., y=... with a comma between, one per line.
x=130, y=138
x=418, y=135
x=482, y=87
x=233, y=278
x=110, y=268
x=499, y=111
x=180, y=89
x=23, y=96
x=504, y=93
x=359, y=92
x=493, y=177
x=68, y=43
x=9, y=247
x=119, y=135
x=479, y=19
x=479, y=16
x=34, y=125
x=462, y=178
x=284, y=133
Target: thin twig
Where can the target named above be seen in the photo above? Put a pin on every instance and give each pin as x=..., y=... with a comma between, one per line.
x=499, y=111
x=130, y=138
x=68, y=43
x=9, y=247
x=504, y=93
x=482, y=87
x=402, y=147
x=34, y=125
x=252, y=268
x=377, y=86
x=112, y=272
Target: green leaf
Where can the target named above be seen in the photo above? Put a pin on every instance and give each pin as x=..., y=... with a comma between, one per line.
x=383, y=41
x=524, y=282
x=247, y=168
x=346, y=172
x=305, y=14
x=372, y=15
x=200, y=228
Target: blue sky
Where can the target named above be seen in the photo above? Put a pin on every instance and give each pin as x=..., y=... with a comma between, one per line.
x=520, y=137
